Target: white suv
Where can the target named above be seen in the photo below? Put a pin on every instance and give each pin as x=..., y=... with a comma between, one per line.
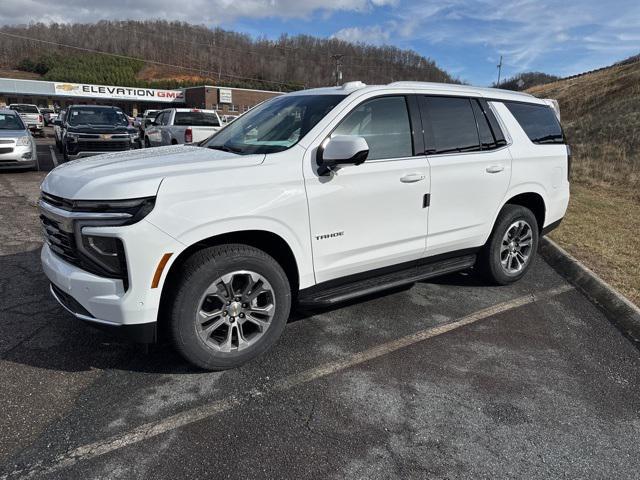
x=314, y=197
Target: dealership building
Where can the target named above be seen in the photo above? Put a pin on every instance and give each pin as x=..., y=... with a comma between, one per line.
x=132, y=100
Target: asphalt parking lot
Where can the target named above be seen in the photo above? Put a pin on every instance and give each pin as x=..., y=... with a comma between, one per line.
x=451, y=378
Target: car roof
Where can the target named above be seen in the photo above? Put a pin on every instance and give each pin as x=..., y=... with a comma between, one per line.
x=8, y=111
x=424, y=87
x=94, y=107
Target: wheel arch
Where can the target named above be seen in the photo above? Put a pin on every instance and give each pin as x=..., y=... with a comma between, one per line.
x=269, y=242
x=534, y=202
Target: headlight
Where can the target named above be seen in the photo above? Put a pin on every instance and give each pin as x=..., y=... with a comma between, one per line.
x=107, y=252
x=23, y=141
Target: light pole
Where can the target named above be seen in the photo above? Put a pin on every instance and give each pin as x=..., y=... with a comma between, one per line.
x=338, y=71
x=499, y=71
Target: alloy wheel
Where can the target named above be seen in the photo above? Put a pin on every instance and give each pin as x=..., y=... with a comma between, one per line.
x=235, y=311
x=515, y=250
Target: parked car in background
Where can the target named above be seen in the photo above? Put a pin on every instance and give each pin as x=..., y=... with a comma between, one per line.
x=94, y=129
x=49, y=115
x=317, y=197
x=30, y=115
x=57, y=129
x=181, y=125
x=147, y=119
x=17, y=145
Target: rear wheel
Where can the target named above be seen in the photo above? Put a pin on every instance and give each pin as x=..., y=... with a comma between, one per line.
x=147, y=143
x=511, y=247
x=231, y=306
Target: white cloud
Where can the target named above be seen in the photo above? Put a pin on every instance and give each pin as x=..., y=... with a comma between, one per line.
x=211, y=12
x=376, y=34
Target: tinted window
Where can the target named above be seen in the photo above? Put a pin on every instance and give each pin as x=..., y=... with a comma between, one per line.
x=538, y=121
x=200, y=119
x=384, y=123
x=166, y=118
x=96, y=116
x=487, y=141
x=453, y=124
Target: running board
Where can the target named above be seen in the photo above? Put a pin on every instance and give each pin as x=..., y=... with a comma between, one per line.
x=326, y=297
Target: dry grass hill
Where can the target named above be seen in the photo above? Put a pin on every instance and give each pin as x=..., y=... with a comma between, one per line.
x=601, y=117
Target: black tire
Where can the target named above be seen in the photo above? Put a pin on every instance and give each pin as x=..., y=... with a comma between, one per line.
x=147, y=143
x=65, y=154
x=489, y=261
x=196, y=275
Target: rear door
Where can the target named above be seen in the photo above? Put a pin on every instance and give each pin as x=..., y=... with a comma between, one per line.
x=470, y=171
x=153, y=131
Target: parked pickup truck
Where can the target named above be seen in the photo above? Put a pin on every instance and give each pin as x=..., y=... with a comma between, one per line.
x=88, y=130
x=314, y=198
x=31, y=116
x=181, y=125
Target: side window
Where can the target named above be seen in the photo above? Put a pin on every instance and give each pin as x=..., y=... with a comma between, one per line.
x=384, y=123
x=158, y=119
x=166, y=117
x=488, y=129
x=453, y=125
x=538, y=121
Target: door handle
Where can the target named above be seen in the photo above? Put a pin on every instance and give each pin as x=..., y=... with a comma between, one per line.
x=495, y=168
x=412, y=177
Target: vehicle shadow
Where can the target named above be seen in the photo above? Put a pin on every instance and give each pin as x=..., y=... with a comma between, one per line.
x=36, y=331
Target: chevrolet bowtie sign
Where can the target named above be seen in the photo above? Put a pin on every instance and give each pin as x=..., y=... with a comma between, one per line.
x=118, y=93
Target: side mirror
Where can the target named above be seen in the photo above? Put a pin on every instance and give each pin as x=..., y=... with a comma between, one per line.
x=341, y=150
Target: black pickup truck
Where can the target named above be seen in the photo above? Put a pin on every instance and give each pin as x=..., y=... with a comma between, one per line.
x=94, y=129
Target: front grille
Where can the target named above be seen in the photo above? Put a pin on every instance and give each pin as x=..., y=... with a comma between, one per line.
x=61, y=242
x=5, y=142
x=6, y=150
x=116, y=146
x=57, y=201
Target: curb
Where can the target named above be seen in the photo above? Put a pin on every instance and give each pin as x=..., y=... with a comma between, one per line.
x=620, y=311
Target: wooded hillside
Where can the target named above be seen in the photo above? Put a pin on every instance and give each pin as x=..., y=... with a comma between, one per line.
x=222, y=56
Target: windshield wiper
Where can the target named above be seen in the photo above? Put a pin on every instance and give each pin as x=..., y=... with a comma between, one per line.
x=225, y=148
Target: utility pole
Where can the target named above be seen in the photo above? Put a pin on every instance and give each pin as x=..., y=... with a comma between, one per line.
x=499, y=71
x=338, y=72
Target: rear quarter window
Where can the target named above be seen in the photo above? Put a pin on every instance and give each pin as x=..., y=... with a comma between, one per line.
x=539, y=122
x=196, y=119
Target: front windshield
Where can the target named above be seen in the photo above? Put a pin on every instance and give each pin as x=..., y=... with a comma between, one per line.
x=11, y=122
x=274, y=126
x=97, y=116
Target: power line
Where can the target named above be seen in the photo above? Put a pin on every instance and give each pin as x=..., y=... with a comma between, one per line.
x=154, y=62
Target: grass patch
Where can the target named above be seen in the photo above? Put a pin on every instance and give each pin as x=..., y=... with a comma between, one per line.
x=601, y=230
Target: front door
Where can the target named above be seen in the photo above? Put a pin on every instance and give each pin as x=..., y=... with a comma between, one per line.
x=371, y=215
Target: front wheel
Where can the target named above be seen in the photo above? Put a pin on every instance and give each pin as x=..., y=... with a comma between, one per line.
x=231, y=305
x=512, y=246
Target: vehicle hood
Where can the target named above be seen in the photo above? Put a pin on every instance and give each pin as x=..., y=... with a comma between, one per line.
x=100, y=129
x=137, y=173
x=12, y=133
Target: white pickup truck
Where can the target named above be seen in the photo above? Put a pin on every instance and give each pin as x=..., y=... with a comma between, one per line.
x=181, y=125
x=31, y=116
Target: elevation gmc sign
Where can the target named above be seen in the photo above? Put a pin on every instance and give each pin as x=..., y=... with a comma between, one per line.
x=118, y=93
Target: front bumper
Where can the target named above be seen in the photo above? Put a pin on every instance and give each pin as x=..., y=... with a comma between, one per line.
x=14, y=159
x=104, y=302
x=141, y=333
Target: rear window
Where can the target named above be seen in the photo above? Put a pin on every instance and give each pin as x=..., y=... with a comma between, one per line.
x=196, y=119
x=453, y=125
x=538, y=121
x=25, y=108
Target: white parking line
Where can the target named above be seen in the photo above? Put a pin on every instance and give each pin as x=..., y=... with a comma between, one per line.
x=54, y=159
x=152, y=429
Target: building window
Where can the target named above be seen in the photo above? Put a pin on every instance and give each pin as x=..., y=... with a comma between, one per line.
x=233, y=107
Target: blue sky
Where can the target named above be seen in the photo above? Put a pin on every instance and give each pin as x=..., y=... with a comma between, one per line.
x=466, y=37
